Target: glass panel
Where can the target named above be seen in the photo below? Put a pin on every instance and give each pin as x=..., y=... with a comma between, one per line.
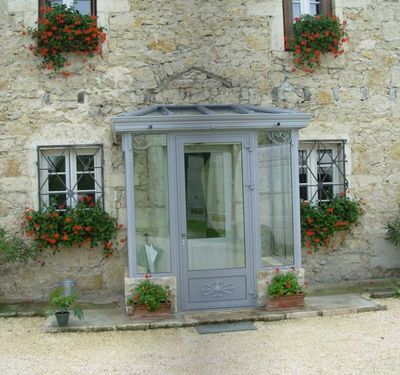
x=83, y=6
x=85, y=163
x=57, y=182
x=296, y=10
x=214, y=206
x=86, y=194
x=303, y=175
x=57, y=201
x=86, y=181
x=56, y=163
x=304, y=193
x=325, y=193
x=325, y=157
x=325, y=174
x=314, y=9
x=276, y=205
x=151, y=206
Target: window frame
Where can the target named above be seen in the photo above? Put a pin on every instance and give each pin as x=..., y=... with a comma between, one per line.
x=326, y=9
x=338, y=166
x=71, y=154
x=44, y=3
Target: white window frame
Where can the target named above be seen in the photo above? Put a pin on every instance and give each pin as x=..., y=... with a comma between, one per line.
x=71, y=154
x=312, y=169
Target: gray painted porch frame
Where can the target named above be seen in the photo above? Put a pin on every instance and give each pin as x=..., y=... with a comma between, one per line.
x=157, y=119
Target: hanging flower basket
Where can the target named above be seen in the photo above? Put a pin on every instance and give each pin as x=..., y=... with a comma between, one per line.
x=314, y=36
x=64, y=30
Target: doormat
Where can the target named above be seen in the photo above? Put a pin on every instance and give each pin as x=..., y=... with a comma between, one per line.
x=225, y=327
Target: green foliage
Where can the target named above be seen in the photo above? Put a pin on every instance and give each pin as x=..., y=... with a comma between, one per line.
x=150, y=294
x=64, y=30
x=320, y=222
x=86, y=224
x=60, y=303
x=393, y=231
x=313, y=36
x=284, y=284
x=14, y=249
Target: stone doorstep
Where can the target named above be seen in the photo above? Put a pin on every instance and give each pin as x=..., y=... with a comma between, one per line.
x=192, y=319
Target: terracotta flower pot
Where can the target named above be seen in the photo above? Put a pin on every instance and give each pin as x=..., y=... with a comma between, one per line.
x=285, y=302
x=141, y=312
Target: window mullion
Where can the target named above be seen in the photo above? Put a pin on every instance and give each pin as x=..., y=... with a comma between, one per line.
x=71, y=177
x=313, y=175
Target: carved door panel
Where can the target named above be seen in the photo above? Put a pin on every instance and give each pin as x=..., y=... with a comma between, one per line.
x=213, y=203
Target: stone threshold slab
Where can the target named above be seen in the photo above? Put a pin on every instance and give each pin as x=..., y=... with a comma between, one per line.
x=115, y=319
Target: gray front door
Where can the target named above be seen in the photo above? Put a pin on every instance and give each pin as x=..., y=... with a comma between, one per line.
x=213, y=187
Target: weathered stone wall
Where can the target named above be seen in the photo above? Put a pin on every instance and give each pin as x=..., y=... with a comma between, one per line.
x=193, y=51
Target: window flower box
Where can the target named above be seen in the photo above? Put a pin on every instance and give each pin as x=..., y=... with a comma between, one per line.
x=293, y=301
x=141, y=311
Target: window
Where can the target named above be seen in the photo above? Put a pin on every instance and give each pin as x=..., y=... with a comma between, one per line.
x=296, y=8
x=68, y=172
x=322, y=170
x=82, y=6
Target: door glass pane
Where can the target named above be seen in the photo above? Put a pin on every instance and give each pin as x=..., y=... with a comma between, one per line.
x=276, y=205
x=151, y=205
x=214, y=206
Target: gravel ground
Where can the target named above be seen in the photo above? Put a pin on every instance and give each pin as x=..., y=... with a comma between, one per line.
x=367, y=343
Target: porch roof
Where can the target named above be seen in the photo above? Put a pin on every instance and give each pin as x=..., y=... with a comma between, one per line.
x=207, y=116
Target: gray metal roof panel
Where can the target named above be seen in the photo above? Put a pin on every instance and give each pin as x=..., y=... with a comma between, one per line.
x=203, y=116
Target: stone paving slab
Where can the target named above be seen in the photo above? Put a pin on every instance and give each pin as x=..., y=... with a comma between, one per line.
x=115, y=319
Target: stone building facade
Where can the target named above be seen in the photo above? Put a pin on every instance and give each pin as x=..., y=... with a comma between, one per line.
x=192, y=51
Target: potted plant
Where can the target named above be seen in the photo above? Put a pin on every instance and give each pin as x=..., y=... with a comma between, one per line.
x=61, y=305
x=284, y=291
x=150, y=300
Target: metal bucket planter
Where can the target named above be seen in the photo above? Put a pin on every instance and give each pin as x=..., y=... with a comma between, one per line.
x=294, y=301
x=68, y=286
x=62, y=318
x=141, y=312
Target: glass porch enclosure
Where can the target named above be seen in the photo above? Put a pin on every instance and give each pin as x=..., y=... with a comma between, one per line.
x=212, y=197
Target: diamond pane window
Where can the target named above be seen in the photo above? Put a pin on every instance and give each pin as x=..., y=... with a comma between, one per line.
x=69, y=172
x=322, y=170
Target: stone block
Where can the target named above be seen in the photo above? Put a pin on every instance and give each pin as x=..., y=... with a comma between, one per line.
x=11, y=168
x=302, y=314
x=340, y=311
x=112, y=6
x=162, y=45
